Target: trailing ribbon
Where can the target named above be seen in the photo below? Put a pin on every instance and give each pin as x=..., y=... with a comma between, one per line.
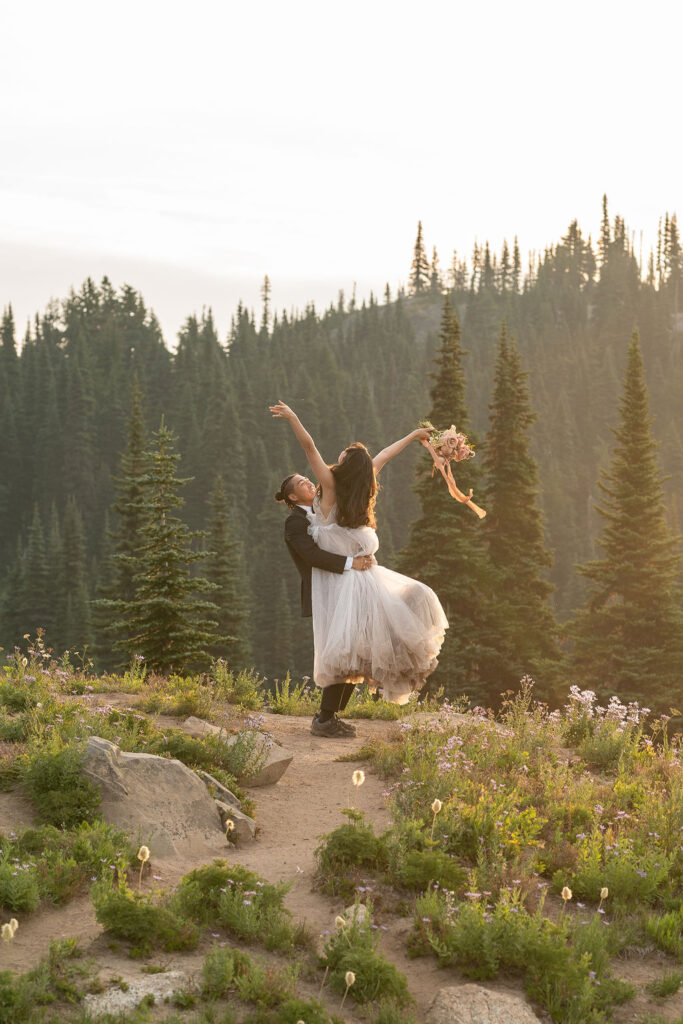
x=444, y=467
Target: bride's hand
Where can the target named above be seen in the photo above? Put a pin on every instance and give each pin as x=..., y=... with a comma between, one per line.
x=282, y=411
x=424, y=433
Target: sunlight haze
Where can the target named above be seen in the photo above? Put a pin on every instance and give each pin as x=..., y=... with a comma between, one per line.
x=190, y=151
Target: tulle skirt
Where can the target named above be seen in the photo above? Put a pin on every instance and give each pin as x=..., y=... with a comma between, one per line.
x=375, y=625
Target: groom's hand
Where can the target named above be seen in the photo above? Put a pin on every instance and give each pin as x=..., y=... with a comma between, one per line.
x=362, y=562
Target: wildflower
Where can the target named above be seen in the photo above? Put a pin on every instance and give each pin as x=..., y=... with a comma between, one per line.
x=566, y=893
x=339, y=922
x=7, y=933
x=436, y=806
x=143, y=857
x=349, y=978
x=358, y=777
x=229, y=825
x=604, y=892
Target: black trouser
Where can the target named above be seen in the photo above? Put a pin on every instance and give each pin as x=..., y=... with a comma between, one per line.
x=335, y=698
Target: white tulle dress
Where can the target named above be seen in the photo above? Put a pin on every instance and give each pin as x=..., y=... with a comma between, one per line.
x=375, y=625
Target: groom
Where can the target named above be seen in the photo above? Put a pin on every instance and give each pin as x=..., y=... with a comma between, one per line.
x=298, y=493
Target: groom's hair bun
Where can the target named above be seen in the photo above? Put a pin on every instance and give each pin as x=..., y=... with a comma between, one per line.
x=285, y=488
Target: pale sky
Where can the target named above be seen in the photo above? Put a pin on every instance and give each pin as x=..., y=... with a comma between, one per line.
x=188, y=150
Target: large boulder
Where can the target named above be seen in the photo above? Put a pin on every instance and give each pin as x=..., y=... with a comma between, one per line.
x=160, y=802
x=474, y=1004
x=277, y=759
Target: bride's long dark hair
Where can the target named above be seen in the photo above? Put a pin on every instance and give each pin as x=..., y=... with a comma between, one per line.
x=356, y=486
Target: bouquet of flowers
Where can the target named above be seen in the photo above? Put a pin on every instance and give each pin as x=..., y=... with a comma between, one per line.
x=446, y=446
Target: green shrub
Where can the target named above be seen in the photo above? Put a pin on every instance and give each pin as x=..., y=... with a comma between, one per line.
x=667, y=985
x=666, y=930
x=243, y=688
x=291, y=1012
x=61, y=862
x=561, y=965
x=294, y=698
x=348, y=847
x=19, y=890
x=61, y=794
x=240, y=901
x=353, y=947
x=419, y=868
x=246, y=753
x=219, y=970
x=146, y=922
x=54, y=980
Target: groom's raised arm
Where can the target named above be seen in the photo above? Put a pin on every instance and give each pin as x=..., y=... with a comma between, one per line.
x=299, y=540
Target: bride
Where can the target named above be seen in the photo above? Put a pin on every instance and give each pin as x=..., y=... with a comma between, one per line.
x=377, y=625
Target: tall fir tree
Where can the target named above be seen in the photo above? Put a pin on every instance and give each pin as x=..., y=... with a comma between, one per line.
x=446, y=549
x=225, y=568
x=526, y=630
x=419, y=269
x=125, y=540
x=73, y=599
x=628, y=640
x=166, y=622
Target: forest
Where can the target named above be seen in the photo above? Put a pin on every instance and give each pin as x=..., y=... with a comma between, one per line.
x=565, y=369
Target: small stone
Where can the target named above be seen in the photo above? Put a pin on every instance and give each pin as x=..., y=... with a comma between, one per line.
x=245, y=827
x=198, y=728
x=161, y=986
x=474, y=1004
x=218, y=790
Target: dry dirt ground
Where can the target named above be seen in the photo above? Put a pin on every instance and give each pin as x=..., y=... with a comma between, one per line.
x=291, y=816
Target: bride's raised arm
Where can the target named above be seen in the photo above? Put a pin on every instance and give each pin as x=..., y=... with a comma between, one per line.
x=315, y=460
x=381, y=459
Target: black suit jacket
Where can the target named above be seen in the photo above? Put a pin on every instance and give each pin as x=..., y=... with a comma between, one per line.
x=307, y=554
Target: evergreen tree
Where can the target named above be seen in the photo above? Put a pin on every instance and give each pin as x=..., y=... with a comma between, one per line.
x=525, y=624
x=73, y=600
x=435, y=281
x=629, y=637
x=166, y=622
x=446, y=548
x=419, y=270
x=124, y=542
x=35, y=601
x=225, y=568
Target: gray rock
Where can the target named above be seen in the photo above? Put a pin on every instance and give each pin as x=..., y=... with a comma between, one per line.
x=160, y=802
x=474, y=1004
x=161, y=986
x=218, y=790
x=356, y=913
x=197, y=728
x=276, y=764
x=245, y=827
x=277, y=760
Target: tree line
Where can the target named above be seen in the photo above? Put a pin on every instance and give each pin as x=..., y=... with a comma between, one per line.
x=77, y=457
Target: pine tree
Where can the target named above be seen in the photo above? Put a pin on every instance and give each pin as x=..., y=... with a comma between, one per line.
x=124, y=542
x=73, y=599
x=225, y=568
x=525, y=627
x=166, y=622
x=446, y=548
x=36, y=602
x=419, y=270
x=629, y=637
x=435, y=281
x=266, y=316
